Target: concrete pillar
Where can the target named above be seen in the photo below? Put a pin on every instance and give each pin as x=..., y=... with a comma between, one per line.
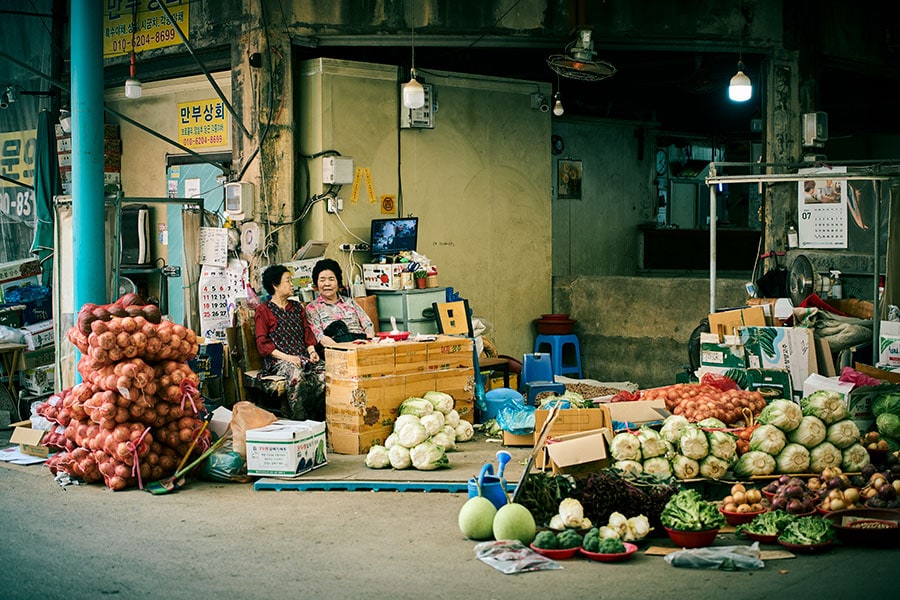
x=88, y=215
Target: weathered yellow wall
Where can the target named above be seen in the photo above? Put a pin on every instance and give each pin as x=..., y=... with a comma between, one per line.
x=479, y=181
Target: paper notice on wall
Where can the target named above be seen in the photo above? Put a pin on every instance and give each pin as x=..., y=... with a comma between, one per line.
x=822, y=208
x=220, y=288
x=213, y=246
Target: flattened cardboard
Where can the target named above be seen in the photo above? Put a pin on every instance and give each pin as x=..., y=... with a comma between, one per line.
x=583, y=452
x=728, y=322
x=638, y=412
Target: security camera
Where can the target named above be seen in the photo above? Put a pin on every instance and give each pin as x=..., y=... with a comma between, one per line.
x=4, y=101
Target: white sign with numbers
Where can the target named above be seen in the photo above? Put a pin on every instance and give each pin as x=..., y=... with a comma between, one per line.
x=822, y=208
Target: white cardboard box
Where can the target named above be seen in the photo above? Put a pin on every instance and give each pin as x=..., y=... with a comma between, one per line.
x=788, y=348
x=377, y=276
x=39, y=380
x=286, y=448
x=38, y=335
x=889, y=344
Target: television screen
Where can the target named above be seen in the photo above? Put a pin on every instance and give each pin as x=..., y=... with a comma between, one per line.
x=392, y=236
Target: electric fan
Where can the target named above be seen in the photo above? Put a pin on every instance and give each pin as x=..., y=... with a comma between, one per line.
x=578, y=61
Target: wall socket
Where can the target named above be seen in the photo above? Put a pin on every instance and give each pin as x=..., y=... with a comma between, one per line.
x=334, y=205
x=354, y=247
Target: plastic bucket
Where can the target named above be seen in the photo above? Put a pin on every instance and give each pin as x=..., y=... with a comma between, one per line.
x=495, y=399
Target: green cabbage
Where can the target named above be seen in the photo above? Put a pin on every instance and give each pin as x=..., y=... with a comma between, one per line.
x=713, y=467
x=428, y=456
x=754, y=463
x=722, y=444
x=652, y=444
x=684, y=467
x=828, y=405
x=888, y=424
x=410, y=431
x=399, y=457
x=441, y=402
x=793, y=458
x=824, y=455
x=432, y=422
x=418, y=407
x=658, y=465
x=451, y=419
x=625, y=446
x=378, y=457
x=886, y=403
x=626, y=466
x=810, y=433
x=464, y=431
x=843, y=433
x=693, y=442
x=783, y=414
x=711, y=423
x=768, y=439
x=672, y=428
x=854, y=458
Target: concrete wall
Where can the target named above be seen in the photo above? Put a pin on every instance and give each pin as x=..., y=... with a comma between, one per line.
x=479, y=182
x=637, y=328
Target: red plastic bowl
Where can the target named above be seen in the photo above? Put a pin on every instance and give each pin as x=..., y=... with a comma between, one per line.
x=556, y=554
x=615, y=557
x=738, y=518
x=400, y=335
x=692, y=539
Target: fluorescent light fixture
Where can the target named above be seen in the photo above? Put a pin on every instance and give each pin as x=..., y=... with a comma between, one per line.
x=413, y=92
x=740, y=89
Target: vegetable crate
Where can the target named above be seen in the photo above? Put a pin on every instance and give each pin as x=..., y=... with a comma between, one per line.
x=286, y=448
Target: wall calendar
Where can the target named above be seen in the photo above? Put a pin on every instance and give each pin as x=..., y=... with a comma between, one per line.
x=822, y=208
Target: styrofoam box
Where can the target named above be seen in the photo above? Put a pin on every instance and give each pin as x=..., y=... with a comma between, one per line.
x=286, y=448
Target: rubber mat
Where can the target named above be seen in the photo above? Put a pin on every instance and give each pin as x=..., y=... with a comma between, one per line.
x=271, y=483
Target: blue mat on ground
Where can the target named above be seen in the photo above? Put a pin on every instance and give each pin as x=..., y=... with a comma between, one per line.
x=271, y=483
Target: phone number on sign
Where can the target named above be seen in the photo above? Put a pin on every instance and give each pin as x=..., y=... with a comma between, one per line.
x=203, y=140
x=19, y=204
x=143, y=39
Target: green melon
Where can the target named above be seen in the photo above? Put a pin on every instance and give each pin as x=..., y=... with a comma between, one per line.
x=514, y=522
x=476, y=518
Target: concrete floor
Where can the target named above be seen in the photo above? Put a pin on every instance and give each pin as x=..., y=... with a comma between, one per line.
x=229, y=541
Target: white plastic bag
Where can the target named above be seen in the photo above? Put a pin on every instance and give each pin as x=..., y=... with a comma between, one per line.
x=726, y=558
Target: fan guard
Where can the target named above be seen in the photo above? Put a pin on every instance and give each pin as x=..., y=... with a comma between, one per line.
x=579, y=61
x=803, y=280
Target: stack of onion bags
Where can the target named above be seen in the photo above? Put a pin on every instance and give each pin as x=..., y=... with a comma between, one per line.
x=425, y=431
x=136, y=411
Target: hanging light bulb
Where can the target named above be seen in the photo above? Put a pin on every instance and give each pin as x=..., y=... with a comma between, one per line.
x=740, y=89
x=133, y=84
x=558, y=109
x=413, y=92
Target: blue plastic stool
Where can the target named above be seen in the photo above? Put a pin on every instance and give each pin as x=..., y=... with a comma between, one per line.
x=558, y=344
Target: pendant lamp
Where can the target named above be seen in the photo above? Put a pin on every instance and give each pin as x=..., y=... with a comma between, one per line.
x=413, y=92
x=740, y=89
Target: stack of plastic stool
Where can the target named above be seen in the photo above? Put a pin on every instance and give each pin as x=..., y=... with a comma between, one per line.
x=557, y=344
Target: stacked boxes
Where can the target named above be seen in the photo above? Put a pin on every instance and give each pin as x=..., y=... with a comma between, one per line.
x=366, y=383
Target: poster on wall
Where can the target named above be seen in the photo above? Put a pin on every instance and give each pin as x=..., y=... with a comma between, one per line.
x=220, y=288
x=568, y=179
x=822, y=208
x=139, y=25
x=202, y=123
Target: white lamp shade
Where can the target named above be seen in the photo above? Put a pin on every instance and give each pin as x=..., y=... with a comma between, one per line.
x=740, y=89
x=413, y=94
x=133, y=88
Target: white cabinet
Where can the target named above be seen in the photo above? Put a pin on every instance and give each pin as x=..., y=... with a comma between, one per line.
x=410, y=308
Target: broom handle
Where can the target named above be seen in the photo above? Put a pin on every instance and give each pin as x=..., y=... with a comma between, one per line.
x=203, y=456
x=206, y=419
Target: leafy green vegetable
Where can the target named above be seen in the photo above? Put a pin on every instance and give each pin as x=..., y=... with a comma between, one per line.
x=768, y=439
x=768, y=523
x=546, y=540
x=825, y=404
x=754, y=462
x=844, y=433
x=591, y=540
x=783, y=414
x=569, y=538
x=794, y=458
x=886, y=403
x=888, y=424
x=610, y=546
x=807, y=530
x=810, y=433
x=688, y=511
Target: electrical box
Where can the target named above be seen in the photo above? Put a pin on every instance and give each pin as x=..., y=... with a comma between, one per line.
x=815, y=128
x=419, y=118
x=239, y=200
x=337, y=170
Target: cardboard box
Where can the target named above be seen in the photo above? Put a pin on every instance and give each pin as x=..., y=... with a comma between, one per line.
x=349, y=443
x=286, y=448
x=889, y=344
x=569, y=420
x=11, y=315
x=577, y=453
x=449, y=352
x=356, y=406
x=38, y=335
x=29, y=440
x=6, y=286
x=726, y=352
x=221, y=420
x=728, y=322
x=776, y=310
x=39, y=380
x=349, y=360
x=410, y=357
x=386, y=276
x=638, y=412
x=19, y=269
x=514, y=439
x=36, y=358
x=771, y=383
x=788, y=348
x=301, y=272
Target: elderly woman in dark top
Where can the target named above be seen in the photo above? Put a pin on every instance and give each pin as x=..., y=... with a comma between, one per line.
x=287, y=345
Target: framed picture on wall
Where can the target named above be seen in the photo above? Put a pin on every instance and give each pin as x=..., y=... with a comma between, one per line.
x=568, y=176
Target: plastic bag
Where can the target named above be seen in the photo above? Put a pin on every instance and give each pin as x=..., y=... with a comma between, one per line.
x=245, y=416
x=726, y=558
x=225, y=465
x=512, y=556
x=516, y=418
x=720, y=382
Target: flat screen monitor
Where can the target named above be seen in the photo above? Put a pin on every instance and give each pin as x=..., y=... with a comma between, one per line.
x=392, y=236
